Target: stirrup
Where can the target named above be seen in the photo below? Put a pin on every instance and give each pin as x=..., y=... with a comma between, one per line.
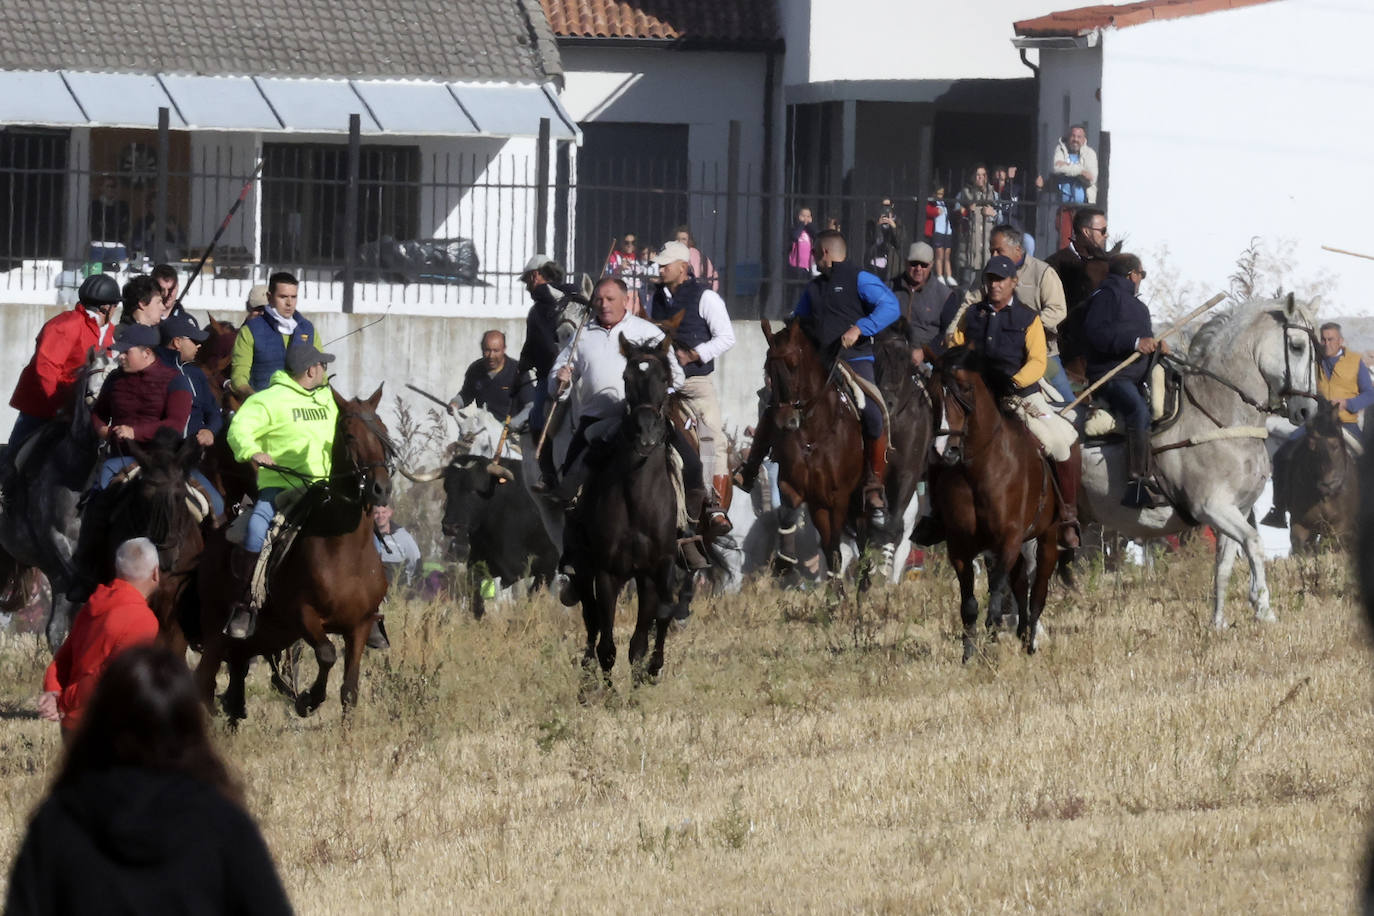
x=1142, y=494
x=693, y=556
x=243, y=620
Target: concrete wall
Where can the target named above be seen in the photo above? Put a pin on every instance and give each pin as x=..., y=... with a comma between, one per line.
x=1244, y=123
x=1069, y=84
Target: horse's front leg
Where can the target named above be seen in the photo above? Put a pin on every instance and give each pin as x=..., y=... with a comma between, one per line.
x=235, y=702
x=325, y=657
x=1238, y=534
x=682, y=601
x=649, y=597
x=606, y=591
x=968, y=600
x=1046, y=558
x=354, y=644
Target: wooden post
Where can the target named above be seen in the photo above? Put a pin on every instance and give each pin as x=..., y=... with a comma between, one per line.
x=157, y=248
x=727, y=286
x=351, y=234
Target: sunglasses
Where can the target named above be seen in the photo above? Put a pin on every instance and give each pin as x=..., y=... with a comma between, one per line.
x=918, y=264
x=1140, y=273
x=1103, y=230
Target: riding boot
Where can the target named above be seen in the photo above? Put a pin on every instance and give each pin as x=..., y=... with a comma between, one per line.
x=717, y=522
x=688, y=541
x=1067, y=474
x=87, y=565
x=1277, y=516
x=875, y=483
x=1141, y=491
x=725, y=490
x=243, y=617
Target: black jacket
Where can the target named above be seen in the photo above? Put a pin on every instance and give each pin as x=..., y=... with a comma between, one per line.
x=1114, y=322
x=502, y=394
x=922, y=310
x=143, y=841
x=541, y=329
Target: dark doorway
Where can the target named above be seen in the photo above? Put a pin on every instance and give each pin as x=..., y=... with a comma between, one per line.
x=33, y=194
x=631, y=178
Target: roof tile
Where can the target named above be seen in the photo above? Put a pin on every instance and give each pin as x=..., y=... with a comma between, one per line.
x=1085, y=19
x=728, y=22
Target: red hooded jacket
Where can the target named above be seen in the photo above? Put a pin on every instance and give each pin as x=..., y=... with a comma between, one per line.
x=46, y=382
x=116, y=617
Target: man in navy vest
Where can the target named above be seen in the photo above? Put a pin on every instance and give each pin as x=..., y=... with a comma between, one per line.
x=842, y=309
x=260, y=348
x=703, y=333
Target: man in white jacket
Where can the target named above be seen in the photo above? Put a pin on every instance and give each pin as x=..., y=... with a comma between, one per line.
x=1075, y=168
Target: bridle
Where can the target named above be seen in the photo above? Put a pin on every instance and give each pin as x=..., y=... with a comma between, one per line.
x=778, y=372
x=1278, y=400
x=353, y=444
x=955, y=452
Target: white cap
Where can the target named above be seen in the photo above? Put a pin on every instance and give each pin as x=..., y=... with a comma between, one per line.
x=671, y=252
x=534, y=264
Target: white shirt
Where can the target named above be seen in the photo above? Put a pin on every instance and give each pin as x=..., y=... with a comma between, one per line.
x=712, y=309
x=598, y=387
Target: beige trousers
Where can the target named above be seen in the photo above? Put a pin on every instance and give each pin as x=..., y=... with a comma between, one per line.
x=1055, y=433
x=703, y=394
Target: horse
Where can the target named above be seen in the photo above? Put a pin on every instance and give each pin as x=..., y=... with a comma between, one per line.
x=331, y=581
x=1254, y=359
x=154, y=498
x=234, y=480
x=1324, y=488
x=817, y=442
x=994, y=491
x=910, y=410
x=41, y=521
x=625, y=523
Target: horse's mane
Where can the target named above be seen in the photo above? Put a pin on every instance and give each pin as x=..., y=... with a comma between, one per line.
x=1224, y=327
x=892, y=352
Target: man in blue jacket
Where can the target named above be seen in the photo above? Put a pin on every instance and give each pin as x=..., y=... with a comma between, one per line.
x=1118, y=324
x=181, y=338
x=260, y=348
x=841, y=310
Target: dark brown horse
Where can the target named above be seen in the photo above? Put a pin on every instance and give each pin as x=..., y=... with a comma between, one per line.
x=625, y=524
x=816, y=440
x=994, y=491
x=909, y=407
x=1324, y=491
x=233, y=480
x=332, y=580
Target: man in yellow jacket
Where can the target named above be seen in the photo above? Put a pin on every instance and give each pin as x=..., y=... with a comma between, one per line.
x=287, y=432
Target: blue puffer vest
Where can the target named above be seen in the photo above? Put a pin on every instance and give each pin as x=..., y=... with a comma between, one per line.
x=269, y=348
x=693, y=331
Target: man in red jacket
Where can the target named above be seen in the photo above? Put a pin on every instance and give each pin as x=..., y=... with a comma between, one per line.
x=116, y=617
x=46, y=383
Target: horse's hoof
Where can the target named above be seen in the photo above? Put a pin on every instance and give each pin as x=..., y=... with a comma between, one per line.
x=304, y=707
x=1266, y=616
x=969, y=650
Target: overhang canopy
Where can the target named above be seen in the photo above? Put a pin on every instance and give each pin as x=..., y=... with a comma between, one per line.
x=280, y=104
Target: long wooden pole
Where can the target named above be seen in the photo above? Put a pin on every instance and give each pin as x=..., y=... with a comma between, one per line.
x=1353, y=254
x=1087, y=392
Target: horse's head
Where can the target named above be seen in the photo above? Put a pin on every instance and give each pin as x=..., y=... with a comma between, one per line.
x=1287, y=355
x=1325, y=459
x=646, y=427
x=368, y=446
x=959, y=394
x=794, y=373
x=88, y=381
x=648, y=375
x=156, y=502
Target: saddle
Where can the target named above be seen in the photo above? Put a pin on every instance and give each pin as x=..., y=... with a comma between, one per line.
x=315, y=511
x=1166, y=386
x=40, y=443
x=855, y=390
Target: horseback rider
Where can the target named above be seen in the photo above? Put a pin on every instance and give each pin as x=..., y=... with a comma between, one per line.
x=181, y=338
x=1116, y=325
x=1011, y=338
x=140, y=397
x=1343, y=380
x=596, y=393
x=260, y=348
x=286, y=431
x=46, y=383
x=543, y=279
x=703, y=334
x=841, y=310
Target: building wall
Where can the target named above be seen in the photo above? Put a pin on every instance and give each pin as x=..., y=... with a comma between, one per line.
x=1069, y=85
x=1244, y=123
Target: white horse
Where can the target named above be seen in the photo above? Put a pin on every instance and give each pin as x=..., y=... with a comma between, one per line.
x=1254, y=360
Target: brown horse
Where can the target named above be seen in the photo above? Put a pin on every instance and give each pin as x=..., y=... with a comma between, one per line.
x=233, y=480
x=1324, y=491
x=816, y=440
x=332, y=580
x=994, y=491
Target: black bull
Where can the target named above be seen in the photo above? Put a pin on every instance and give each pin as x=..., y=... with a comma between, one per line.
x=494, y=524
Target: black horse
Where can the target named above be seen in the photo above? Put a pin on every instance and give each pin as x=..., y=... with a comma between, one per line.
x=909, y=407
x=625, y=523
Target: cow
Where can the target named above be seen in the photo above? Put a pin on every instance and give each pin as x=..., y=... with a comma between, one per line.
x=492, y=523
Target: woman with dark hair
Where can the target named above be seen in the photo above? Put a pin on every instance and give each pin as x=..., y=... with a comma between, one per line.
x=144, y=817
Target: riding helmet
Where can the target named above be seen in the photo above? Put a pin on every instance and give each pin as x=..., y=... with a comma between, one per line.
x=99, y=289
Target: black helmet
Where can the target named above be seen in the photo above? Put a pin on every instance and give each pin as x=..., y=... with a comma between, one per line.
x=99, y=289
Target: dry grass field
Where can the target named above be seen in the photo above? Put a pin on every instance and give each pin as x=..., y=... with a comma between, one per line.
x=796, y=758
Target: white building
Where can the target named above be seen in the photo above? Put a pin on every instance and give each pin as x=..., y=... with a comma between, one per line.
x=1225, y=120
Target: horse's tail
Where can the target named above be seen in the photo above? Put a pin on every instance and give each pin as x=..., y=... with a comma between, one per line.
x=15, y=579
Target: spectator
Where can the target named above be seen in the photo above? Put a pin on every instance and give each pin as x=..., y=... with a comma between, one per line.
x=256, y=304
x=144, y=816
x=799, y=253
x=1009, y=207
x=624, y=253
x=398, y=550
x=629, y=264
x=832, y=224
x=702, y=268
x=109, y=215
x=167, y=282
x=495, y=383
x=921, y=299
x=1075, y=174
x=143, y=234
x=978, y=214
x=882, y=257
x=940, y=232
x=116, y=617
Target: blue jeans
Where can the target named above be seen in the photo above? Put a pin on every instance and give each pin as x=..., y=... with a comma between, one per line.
x=261, y=519
x=113, y=466
x=1059, y=379
x=539, y=408
x=1123, y=397
x=873, y=414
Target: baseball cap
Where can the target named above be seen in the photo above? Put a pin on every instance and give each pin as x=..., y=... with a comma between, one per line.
x=182, y=325
x=671, y=252
x=302, y=355
x=534, y=264
x=1000, y=266
x=257, y=296
x=920, y=251
x=136, y=335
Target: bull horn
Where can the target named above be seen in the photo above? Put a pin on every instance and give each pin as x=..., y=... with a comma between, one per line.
x=498, y=470
x=422, y=476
